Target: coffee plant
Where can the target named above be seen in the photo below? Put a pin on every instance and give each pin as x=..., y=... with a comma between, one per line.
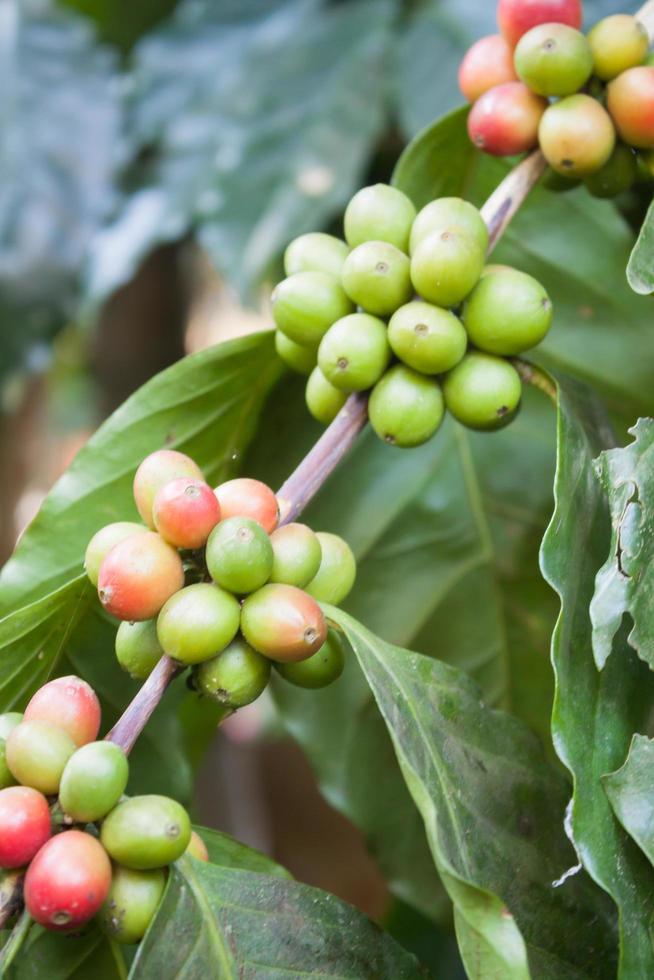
x=164, y=585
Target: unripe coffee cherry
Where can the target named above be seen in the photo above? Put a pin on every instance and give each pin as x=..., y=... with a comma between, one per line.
x=93, y=781
x=379, y=214
x=483, y=391
x=156, y=470
x=138, y=650
x=376, y=277
x=630, y=100
x=146, y=832
x=427, y=338
x=67, y=881
x=197, y=848
x=354, y=353
x=406, y=408
x=69, y=703
x=616, y=176
x=320, y=670
x=446, y=265
x=324, y=401
x=296, y=555
x=103, y=541
x=234, y=678
x=507, y=313
x=24, y=825
x=338, y=569
x=131, y=904
x=557, y=182
x=504, y=121
x=448, y=212
x=554, y=59
x=185, y=512
x=239, y=555
x=8, y=722
x=37, y=753
x=489, y=62
x=617, y=43
x=306, y=304
x=244, y=497
x=283, y=623
x=295, y=356
x=198, y=623
x=516, y=17
x=138, y=576
x=576, y=136
x=315, y=252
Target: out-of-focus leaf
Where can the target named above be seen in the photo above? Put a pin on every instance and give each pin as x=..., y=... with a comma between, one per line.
x=640, y=269
x=58, y=956
x=630, y=790
x=595, y=712
x=625, y=582
x=440, y=162
x=121, y=22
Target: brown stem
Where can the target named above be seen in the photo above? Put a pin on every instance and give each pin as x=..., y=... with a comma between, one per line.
x=11, y=896
x=532, y=375
x=137, y=713
x=505, y=200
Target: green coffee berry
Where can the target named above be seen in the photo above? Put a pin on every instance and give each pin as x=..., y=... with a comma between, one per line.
x=138, y=650
x=198, y=622
x=234, y=678
x=306, y=304
x=507, y=313
x=483, y=391
x=376, y=276
x=37, y=753
x=449, y=212
x=576, y=135
x=131, y=904
x=103, y=541
x=324, y=401
x=617, y=43
x=553, y=59
x=315, y=252
x=93, y=781
x=295, y=356
x=320, y=670
x=239, y=555
x=427, y=338
x=446, y=265
x=379, y=213
x=296, y=554
x=616, y=176
x=405, y=407
x=354, y=353
x=8, y=722
x=146, y=832
x=557, y=182
x=338, y=569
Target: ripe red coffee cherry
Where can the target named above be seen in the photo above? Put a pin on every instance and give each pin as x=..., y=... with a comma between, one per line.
x=197, y=848
x=618, y=42
x=489, y=62
x=155, y=471
x=103, y=541
x=138, y=650
x=198, y=622
x=576, y=136
x=185, y=512
x=67, y=881
x=338, y=569
x=320, y=670
x=239, y=555
x=379, y=213
x=554, y=59
x=146, y=832
x=37, y=753
x=244, y=497
x=24, y=825
x=138, y=576
x=324, y=401
x=354, y=353
x=295, y=356
x=296, y=555
x=516, y=17
x=234, y=678
x=131, y=904
x=504, y=121
x=283, y=623
x=630, y=100
x=315, y=252
x=69, y=703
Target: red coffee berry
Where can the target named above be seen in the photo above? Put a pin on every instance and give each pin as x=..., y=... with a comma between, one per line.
x=489, y=62
x=69, y=703
x=138, y=576
x=249, y=498
x=516, y=17
x=156, y=470
x=24, y=825
x=504, y=121
x=630, y=101
x=67, y=881
x=185, y=512
x=283, y=622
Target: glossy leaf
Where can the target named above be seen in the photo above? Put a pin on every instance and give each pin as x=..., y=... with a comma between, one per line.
x=595, y=712
x=641, y=261
x=227, y=852
x=630, y=790
x=58, y=956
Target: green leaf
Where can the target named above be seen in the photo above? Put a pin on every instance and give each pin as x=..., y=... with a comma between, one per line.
x=595, y=712
x=121, y=22
x=228, y=923
x=630, y=790
x=439, y=162
x=625, y=581
x=228, y=852
x=69, y=957
x=640, y=270
x=493, y=810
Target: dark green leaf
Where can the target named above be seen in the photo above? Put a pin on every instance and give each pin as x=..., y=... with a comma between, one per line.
x=227, y=852
x=631, y=792
x=121, y=22
x=595, y=712
x=56, y=956
x=440, y=162
x=640, y=270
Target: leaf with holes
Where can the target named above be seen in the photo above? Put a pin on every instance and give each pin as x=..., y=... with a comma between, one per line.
x=630, y=790
x=641, y=260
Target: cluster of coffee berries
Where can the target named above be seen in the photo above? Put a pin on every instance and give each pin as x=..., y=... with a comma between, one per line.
x=88, y=851
x=213, y=582
x=587, y=100
x=444, y=348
